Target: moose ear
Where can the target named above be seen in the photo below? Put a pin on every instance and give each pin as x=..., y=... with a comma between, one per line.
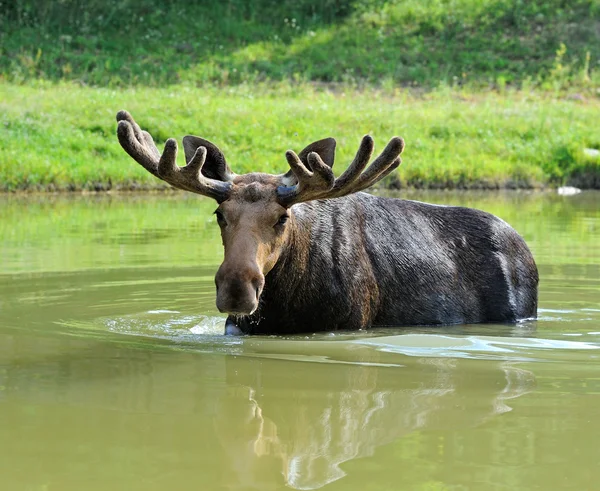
x=215, y=166
x=325, y=148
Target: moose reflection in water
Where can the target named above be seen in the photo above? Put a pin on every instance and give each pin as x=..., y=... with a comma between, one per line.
x=305, y=434
x=305, y=251
x=235, y=419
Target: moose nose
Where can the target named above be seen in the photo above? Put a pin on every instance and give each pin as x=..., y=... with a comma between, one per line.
x=238, y=290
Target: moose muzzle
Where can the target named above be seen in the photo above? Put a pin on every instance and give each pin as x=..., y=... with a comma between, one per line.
x=238, y=289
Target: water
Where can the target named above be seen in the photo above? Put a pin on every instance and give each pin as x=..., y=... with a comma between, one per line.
x=114, y=373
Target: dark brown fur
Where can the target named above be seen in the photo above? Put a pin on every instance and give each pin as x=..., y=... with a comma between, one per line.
x=307, y=252
x=362, y=261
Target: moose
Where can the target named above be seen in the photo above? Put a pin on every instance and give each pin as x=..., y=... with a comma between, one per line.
x=306, y=251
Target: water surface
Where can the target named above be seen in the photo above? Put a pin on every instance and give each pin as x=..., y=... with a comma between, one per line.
x=114, y=373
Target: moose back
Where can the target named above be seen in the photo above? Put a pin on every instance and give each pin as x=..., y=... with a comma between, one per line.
x=307, y=252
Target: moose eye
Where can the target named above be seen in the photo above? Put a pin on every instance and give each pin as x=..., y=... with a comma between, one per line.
x=220, y=218
x=282, y=221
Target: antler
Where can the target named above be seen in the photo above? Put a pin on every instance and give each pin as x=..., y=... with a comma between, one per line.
x=141, y=147
x=320, y=183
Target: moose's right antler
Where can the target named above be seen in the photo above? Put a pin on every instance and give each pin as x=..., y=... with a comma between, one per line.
x=320, y=183
x=141, y=147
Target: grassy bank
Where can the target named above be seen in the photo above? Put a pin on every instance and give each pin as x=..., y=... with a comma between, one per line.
x=550, y=44
x=62, y=137
x=487, y=93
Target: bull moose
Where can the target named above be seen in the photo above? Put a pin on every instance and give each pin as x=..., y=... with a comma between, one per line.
x=306, y=252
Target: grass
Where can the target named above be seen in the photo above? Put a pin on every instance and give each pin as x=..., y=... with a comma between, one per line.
x=487, y=93
x=425, y=43
x=62, y=136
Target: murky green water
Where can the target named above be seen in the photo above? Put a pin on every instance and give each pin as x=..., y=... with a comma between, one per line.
x=114, y=374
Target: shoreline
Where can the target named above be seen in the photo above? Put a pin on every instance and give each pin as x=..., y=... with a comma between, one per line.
x=378, y=190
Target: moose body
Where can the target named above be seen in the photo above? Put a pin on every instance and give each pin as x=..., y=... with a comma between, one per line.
x=307, y=252
x=362, y=261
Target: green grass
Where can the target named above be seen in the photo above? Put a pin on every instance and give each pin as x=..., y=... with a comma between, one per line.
x=551, y=44
x=62, y=137
x=503, y=93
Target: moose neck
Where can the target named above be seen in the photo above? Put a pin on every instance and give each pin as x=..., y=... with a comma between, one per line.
x=285, y=281
x=293, y=261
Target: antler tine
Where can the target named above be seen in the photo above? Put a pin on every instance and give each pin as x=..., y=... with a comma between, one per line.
x=190, y=177
x=354, y=170
x=136, y=144
x=141, y=147
x=387, y=161
x=311, y=184
x=354, y=179
x=393, y=166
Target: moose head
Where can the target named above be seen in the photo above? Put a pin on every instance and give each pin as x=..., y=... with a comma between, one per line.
x=256, y=210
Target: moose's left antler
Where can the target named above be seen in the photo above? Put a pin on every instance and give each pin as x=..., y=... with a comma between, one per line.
x=320, y=183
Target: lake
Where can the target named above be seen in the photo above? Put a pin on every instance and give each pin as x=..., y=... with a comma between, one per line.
x=115, y=375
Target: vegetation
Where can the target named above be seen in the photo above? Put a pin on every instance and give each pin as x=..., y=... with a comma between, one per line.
x=487, y=93
x=63, y=136
x=382, y=42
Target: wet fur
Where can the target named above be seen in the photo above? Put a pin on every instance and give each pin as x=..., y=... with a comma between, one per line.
x=362, y=261
x=354, y=261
